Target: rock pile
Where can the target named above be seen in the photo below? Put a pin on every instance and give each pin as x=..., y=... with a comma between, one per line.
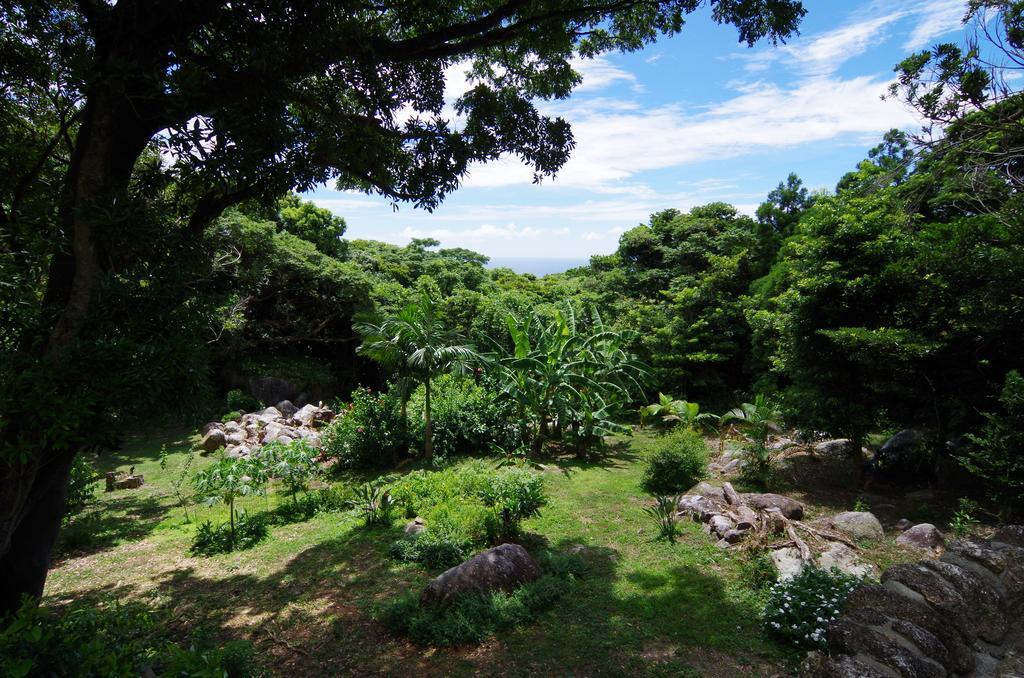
x=282, y=423
x=960, y=615
x=774, y=520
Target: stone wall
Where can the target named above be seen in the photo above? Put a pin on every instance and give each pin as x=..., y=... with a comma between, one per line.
x=960, y=615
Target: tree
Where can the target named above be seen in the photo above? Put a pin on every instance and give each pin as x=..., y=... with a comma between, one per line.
x=242, y=105
x=418, y=347
x=777, y=216
x=229, y=479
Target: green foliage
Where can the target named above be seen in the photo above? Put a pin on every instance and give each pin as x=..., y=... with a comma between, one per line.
x=420, y=491
x=757, y=569
x=670, y=411
x=466, y=418
x=800, y=609
x=471, y=619
x=81, y=485
x=997, y=453
x=374, y=504
x=757, y=420
x=663, y=513
x=676, y=461
x=238, y=400
x=294, y=464
x=516, y=494
x=108, y=640
x=435, y=549
x=564, y=380
x=243, y=532
x=964, y=517
x=233, y=415
x=228, y=479
x=368, y=433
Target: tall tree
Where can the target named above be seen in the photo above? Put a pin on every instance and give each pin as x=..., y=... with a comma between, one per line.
x=417, y=346
x=243, y=105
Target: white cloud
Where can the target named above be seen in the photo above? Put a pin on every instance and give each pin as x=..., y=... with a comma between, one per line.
x=483, y=233
x=599, y=73
x=938, y=18
x=825, y=53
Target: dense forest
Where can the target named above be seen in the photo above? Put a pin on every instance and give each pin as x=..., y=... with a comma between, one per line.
x=161, y=266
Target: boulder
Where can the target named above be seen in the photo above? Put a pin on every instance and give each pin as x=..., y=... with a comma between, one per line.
x=903, y=524
x=840, y=448
x=924, y=537
x=859, y=524
x=720, y=525
x=789, y=507
x=269, y=415
x=236, y=438
x=306, y=415
x=732, y=466
x=1010, y=534
x=414, y=526
x=701, y=508
x=238, y=451
x=906, y=440
x=502, y=568
x=286, y=408
x=232, y=427
x=212, y=426
x=787, y=562
x=709, y=491
x=844, y=559
x=213, y=440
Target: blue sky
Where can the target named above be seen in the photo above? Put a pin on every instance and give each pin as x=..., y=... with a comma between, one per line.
x=689, y=120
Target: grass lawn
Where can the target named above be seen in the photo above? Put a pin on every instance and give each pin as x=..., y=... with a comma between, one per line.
x=307, y=597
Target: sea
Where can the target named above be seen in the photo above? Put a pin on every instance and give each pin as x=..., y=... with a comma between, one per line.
x=537, y=265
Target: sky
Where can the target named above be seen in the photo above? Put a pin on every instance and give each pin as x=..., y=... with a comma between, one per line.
x=691, y=119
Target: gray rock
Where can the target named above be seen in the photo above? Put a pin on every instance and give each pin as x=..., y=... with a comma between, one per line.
x=859, y=524
x=709, y=491
x=1010, y=534
x=269, y=415
x=502, y=568
x=414, y=526
x=306, y=415
x=840, y=448
x=985, y=604
x=852, y=638
x=232, y=427
x=235, y=438
x=818, y=665
x=732, y=466
x=720, y=525
x=924, y=537
x=787, y=562
x=790, y=508
x=844, y=559
x=213, y=425
x=903, y=524
x=286, y=408
x=905, y=440
x=238, y=451
x=213, y=440
x=701, y=508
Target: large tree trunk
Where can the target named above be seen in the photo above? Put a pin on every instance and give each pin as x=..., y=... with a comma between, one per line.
x=109, y=142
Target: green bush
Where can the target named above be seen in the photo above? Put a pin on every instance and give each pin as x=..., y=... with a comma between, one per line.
x=419, y=491
x=374, y=503
x=368, y=433
x=465, y=418
x=676, y=461
x=997, y=454
x=473, y=618
x=210, y=539
x=435, y=549
x=799, y=610
x=233, y=415
x=294, y=464
x=238, y=400
x=515, y=494
x=108, y=640
x=81, y=485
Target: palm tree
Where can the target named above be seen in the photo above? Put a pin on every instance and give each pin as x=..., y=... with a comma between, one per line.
x=416, y=346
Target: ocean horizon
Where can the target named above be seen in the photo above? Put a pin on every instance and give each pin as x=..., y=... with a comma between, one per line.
x=538, y=266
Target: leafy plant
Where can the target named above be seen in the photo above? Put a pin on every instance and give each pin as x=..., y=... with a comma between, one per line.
x=664, y=515
x=670, y=411
x=436, y=549
x=244, y=532
x=860, y=505
x=757, y=420
x=238, y=400
x=473, y=618
x=233, y=415
x=81, y=485
x=416, y=341
x=180, y=478
x=374, y=503
x=799, y=610
x=964, y=517
x=518, y=457
x=228, y=479
x=466, y=417
x=676, y=461
x=516, y=494
x=368, y=433
x=294, y=464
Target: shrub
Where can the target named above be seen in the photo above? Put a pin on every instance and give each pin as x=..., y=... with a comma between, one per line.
x=107, y=640
x=81, y=485
x=211, y=539
x=799, y=610
x=473, y=618
x=515, y=494
x=677, y=461
x=233, y=415
x=238, y=400
x=420, y=490
x=435, y=549
x=368, y=433
x=997, y=453
x=465, y=418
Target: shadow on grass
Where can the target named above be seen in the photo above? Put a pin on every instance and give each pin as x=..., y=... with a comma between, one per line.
x=316, y=614
x=110, y=523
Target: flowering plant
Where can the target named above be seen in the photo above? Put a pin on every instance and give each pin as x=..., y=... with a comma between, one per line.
x=799, y=610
